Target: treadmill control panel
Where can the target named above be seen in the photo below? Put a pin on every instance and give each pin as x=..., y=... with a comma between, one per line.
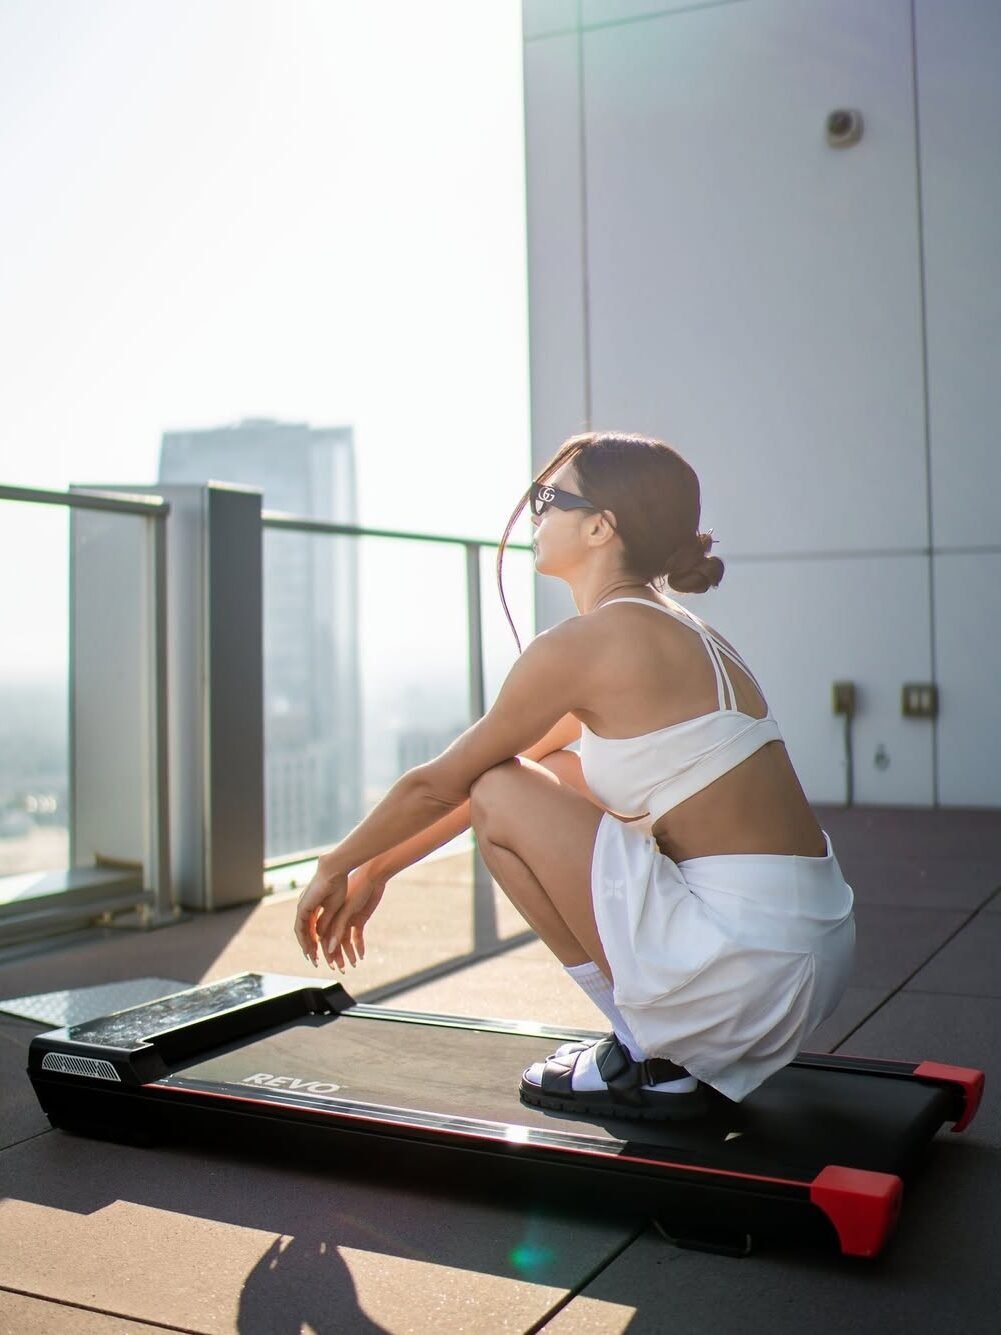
x=128, y=1029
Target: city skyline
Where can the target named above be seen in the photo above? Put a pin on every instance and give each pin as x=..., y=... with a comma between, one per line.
x=193, y=264
x=267, y=234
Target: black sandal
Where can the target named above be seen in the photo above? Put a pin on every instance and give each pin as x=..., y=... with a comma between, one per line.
x=625, y=1095
x=573, y=1046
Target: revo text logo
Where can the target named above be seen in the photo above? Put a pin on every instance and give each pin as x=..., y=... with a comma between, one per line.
x=321, y=1088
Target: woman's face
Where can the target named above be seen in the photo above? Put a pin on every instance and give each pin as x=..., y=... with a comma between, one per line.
x=557, y=542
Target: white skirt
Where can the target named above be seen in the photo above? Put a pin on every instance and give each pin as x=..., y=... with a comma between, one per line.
x=722, y=964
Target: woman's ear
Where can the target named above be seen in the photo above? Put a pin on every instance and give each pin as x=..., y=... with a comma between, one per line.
x=601, y=527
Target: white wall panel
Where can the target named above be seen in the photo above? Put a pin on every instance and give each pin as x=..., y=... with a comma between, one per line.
x=539, y=17
x=555, y=242
x=754, y=293
x=968, y=655
x=959, y=82
x=804, y=624
x=555, y=264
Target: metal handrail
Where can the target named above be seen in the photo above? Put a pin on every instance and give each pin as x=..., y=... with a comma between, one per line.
x=123, y=503
x=299, y=524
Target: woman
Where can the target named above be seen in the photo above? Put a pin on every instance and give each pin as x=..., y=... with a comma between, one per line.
x=675, y=867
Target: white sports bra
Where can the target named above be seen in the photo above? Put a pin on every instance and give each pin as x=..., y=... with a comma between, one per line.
x=649, y=774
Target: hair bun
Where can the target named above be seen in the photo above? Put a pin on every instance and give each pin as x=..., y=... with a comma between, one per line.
x=690, y=553
x=691, y=568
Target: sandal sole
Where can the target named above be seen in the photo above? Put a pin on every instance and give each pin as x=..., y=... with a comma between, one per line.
x=670, y=1108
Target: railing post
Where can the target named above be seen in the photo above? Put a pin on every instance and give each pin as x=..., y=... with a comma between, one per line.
x=485, y=935
x=161, y=884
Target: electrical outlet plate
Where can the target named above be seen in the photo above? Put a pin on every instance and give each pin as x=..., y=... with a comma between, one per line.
x=919, y=699
x=844, y=698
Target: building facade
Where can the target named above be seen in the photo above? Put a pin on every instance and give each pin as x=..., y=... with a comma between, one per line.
x=766, y=231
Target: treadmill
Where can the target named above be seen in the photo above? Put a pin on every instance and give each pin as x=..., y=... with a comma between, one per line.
x=816, y=1154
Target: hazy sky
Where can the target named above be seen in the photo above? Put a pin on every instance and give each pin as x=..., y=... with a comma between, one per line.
x=304, y=209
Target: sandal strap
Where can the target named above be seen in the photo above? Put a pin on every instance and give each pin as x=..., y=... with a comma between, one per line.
x=625, y=1076
x=557, y=1074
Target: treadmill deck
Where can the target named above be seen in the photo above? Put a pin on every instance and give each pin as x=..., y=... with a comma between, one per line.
x=818, y=1151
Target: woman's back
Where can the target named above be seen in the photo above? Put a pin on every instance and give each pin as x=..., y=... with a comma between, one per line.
x=676, y=725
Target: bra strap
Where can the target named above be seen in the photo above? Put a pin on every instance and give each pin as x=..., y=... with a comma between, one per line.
x=719, y=667
x=723, y=682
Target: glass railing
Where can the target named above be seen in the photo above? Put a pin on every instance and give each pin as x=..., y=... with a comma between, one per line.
x=377, y=654
x=380, y=648
x=81, y=675
x=34, y=694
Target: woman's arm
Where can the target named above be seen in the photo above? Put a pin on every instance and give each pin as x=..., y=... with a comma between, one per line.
x=394, y=860
x=534, y=699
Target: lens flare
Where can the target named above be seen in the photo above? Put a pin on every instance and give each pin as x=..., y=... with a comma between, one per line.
x=529, y=1257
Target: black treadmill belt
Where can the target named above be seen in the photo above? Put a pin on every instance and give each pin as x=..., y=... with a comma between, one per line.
x=801, y=1118
x=457, y=1072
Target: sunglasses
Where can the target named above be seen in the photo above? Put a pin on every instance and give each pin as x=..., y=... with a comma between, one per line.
x=542, y=496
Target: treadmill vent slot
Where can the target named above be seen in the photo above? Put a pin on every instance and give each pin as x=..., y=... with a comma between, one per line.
x=90, y=1066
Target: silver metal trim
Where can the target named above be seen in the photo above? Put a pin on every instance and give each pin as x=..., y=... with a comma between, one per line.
x=161, y=881
x=126, y=503
x=297, y=524
x=485, y=931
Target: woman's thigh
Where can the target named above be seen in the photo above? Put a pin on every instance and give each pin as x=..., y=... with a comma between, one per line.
x=525, y=807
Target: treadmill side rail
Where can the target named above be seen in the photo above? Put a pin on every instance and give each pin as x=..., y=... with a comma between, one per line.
x=863, y=1206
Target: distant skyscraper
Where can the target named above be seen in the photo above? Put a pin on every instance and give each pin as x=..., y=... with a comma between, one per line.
x=312, y=705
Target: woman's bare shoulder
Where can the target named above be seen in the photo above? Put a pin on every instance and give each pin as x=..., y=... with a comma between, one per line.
x=578, y=647
x=568, y=638
x=693, y=617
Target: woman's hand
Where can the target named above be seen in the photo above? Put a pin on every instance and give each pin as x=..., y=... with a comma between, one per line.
x=333, y=911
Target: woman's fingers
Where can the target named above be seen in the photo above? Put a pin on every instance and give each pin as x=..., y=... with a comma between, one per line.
x=333, y=937
x=323, y=897
x=348, y=949
x=331, y=917
x=305, y=928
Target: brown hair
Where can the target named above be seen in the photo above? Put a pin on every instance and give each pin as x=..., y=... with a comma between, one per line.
x=654, y=495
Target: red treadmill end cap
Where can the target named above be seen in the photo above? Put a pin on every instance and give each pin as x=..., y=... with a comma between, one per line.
x=970, y=1081
x=863, y=1206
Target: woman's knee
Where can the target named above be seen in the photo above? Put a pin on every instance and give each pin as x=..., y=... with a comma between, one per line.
x=495, y=795
x=487, y=792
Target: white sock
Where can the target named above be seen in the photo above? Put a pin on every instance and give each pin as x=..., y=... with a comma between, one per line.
x=586, y=1076
x=593, y=983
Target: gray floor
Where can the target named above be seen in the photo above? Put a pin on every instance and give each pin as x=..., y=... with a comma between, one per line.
x=95, y=1237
